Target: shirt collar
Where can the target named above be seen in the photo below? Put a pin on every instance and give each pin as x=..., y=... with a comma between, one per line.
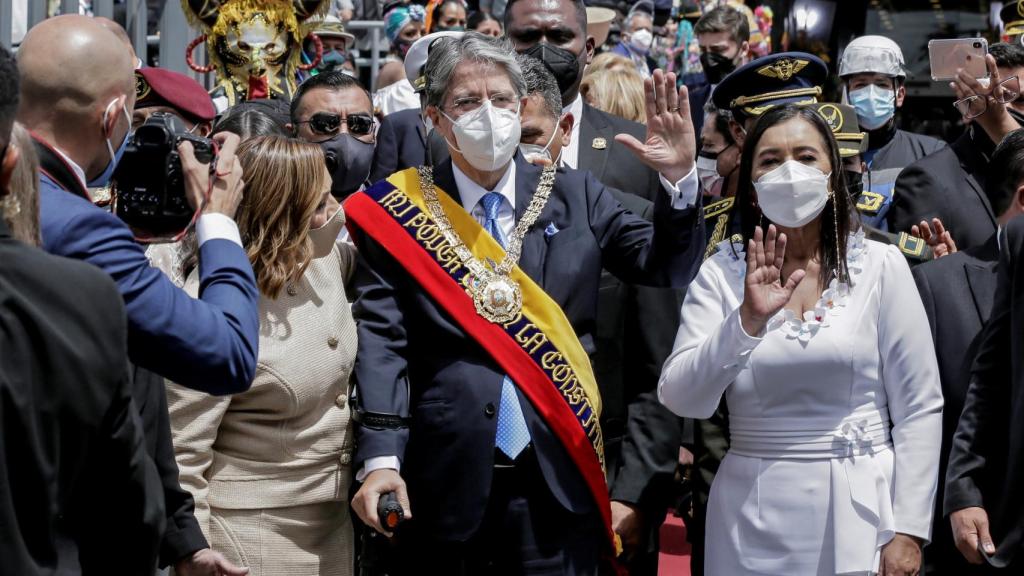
x=79, y=173
x=470, y=192
x=576, y=109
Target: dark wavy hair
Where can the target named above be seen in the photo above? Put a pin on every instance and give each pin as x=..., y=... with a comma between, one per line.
x=836, y=218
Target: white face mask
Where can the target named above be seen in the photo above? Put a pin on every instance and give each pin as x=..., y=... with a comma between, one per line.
x=487, y=137
x=707, y=172
x=792, y=194
x=534, y=152
x=641, y=40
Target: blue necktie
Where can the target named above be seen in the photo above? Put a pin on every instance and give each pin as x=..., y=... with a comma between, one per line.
x=512, y=435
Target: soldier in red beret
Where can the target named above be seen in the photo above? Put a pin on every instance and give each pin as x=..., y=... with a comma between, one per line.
x=162, y=90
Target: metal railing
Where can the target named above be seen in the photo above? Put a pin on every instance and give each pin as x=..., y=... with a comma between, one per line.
x=174, y=33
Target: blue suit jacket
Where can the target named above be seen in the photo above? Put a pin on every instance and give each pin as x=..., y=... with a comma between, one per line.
x=401, y=143
x=208, y=344
x=415, y=361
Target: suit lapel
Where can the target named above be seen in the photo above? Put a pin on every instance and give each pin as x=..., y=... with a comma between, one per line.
x=531, y=260
x=593, y=126
x=968, y=159
x=444, y=178
x=981, y=276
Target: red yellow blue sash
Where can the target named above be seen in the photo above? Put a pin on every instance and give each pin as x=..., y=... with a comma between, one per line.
x=538, y=349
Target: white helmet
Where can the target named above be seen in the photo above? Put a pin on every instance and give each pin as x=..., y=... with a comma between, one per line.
x=872, y=54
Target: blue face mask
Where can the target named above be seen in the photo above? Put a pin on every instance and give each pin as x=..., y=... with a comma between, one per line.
x=103, y=179
x=874, y=105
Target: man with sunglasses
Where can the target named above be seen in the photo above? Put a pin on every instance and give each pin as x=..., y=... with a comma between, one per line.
x=950, y=184
x=335, y=111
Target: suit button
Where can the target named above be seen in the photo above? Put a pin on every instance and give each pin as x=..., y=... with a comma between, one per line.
x=489, y=410
x=332, y=342
x=346, y=459
x=341, y=400
x=291, y=290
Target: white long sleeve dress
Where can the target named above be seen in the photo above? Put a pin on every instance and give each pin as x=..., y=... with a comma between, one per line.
x=835, y=420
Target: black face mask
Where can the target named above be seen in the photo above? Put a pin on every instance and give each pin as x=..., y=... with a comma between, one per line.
x=716, y=66
x=564, y=65
x=854, y=183
x=348, y=161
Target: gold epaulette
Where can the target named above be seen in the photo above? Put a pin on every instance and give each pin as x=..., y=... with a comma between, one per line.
x=910, y=245
x=718, y=207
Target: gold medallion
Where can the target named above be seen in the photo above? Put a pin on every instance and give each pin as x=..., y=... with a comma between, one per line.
x=498, y=299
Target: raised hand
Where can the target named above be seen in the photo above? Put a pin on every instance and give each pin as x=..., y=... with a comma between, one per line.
x=936, y=236
x=670, y=146
x=764, y=293
x=996, y=120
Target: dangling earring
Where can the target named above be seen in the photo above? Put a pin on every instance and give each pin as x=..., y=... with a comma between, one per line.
x=835, y=230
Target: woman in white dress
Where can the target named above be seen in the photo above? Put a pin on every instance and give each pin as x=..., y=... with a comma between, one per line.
x=818, y=340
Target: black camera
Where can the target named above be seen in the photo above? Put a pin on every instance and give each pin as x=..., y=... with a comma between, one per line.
x=149, y=185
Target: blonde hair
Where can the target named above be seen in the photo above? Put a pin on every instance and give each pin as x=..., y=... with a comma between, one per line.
x=284, y=181
x=20, y=208
x=610, y=61
x=617, y=92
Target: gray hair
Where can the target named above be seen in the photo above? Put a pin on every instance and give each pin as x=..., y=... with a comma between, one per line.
x=540, y=81
x=633, y=15
x=447, y=53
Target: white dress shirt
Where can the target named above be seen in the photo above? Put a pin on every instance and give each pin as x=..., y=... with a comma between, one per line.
x=683, y=194
x=209, y=226
x=571, y=153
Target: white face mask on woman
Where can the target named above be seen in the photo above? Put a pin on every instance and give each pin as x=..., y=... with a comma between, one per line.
x=792, y=194
x=487, y=137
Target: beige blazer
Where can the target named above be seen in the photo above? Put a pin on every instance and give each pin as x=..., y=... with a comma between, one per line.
x=286, y=441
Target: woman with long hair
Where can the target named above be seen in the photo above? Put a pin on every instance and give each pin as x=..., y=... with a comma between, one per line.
x=819, y=344
x=270, y=468
x=20, y=208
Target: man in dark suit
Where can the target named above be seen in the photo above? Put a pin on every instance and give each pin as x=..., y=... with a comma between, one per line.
x=74, y=476
x=723, y=35
x=984, y=475
x=208, y=344
x=950, y=184
x=957, y=292
x=478, y=504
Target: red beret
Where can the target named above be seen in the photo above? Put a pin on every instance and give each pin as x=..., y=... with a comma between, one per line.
x=161, y=87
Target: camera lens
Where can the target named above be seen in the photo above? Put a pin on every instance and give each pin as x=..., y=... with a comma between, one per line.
x=977, y=44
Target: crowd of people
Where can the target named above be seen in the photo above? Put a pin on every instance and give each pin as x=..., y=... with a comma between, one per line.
x=535, y=292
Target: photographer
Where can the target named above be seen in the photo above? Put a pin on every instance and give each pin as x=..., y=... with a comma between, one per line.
x=81, y=123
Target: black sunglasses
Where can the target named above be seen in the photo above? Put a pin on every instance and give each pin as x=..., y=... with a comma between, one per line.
x=326, y=124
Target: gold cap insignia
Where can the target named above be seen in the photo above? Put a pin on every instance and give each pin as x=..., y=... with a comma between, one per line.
x=833, y=116
x=1020, y=8
x=783, y=69
x=599, y=144
x=142, y=88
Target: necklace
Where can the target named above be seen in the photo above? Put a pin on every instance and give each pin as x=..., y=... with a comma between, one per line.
x=496, y=296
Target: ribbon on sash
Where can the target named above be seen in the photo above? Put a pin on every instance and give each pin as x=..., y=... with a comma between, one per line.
x=538, y=349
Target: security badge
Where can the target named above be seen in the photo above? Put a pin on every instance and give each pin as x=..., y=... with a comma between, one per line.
x=599, y=144
x=783, y=69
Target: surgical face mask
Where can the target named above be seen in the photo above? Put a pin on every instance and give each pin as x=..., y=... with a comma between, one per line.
x=103, y=179
x=487, y=137
x=563, y=64
x=707, y=172
x=792, y=194
x=716, y=66
x=534, y=152
x=641, y=40
x=854, y=183
x=332, y=60
x=348, y=160
x=875, y=106
x=456, y=28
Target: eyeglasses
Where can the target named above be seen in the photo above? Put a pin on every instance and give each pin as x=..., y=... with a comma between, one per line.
x=327, y=124
x=467, y=104
x=973, y=106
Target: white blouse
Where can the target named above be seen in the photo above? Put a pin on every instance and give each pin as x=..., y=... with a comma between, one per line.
x=835, y=419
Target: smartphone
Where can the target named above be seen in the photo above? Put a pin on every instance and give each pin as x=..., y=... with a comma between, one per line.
x=949, y=55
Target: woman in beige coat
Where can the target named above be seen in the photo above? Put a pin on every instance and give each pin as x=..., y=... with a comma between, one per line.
x=270, y=468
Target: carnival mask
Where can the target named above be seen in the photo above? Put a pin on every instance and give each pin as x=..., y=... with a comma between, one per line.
x=255, y=52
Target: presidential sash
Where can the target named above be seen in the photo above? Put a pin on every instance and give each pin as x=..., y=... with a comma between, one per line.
x=538, y=349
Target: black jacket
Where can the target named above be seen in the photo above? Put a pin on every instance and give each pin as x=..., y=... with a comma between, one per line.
x=989, y=440
x=77, y=493
x=401, y=144
x=957, y=292
x=948, y=184
x=414, y=360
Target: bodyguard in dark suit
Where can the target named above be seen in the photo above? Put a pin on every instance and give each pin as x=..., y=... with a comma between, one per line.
x=208, y=344
x=984, y=475
x=401, y=143
x=74, y=477
x=476, y=507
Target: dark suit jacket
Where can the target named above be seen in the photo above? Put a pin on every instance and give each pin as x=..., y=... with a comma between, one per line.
x=77, y=492
x=414, y=360
x=698, y=98
x=957, y=292
x=401, y=144
x=947, y=184
x=208, y=344
x=612, y=164
x=989, y=440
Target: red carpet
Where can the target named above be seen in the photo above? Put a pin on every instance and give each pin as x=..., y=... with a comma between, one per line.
x=674, y=558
